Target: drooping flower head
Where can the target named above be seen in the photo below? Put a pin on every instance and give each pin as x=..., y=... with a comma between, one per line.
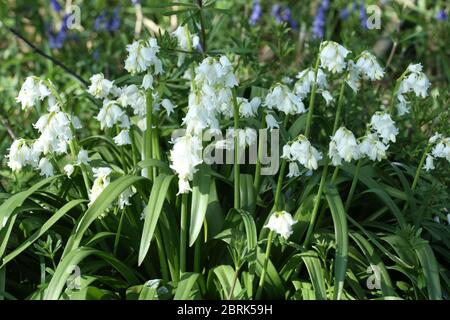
x=384, y=126
x=142, y=55
x=281, y=98
x=100, y=87
x=332, y=56
x=343, y=146
x=281, y=223
x=185, y=156
x=32, y=91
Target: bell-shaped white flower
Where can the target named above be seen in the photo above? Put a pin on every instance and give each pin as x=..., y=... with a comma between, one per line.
x=294, y=170
x=46, y=167
x=332, y=56
x=429, y=163
x=248, y=108
x=306, y=79
x=442, y=148
x=353, y=76
x=414, y=80
x=110, y=114
x=283, y=99
x=142, y=55
x=123, y=138
x=343, y=146
x=271, y=122
x=186, y=41
x=281, y=223
x=147, y=82
x=168, y=106
x=372, y=147
x=101, y=181
x=302, y=151
x=124, y=198
x=21, y=155
x=384, y=126
x=185, y=155
x=368, y=65
x=100, y=87
x=32, y=91
x=69, y=169
x=83, y=157
x=56, y=132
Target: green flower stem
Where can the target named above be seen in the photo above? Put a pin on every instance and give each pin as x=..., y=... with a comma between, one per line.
x=133, y=147
x=237, y=200
x=335, y=174
x=419, y=168
x=257, y=181
x=119, y=231
x=316, y=206
x=311, y=100
x=73, y=144
x=339, y=107
x=161, y=254
x=353, y=186
x=325, y=171
x=276, y=203
x=233, y=284
x=197, y=254
x=183, y=233
x=266, y=262
x=122, y=154
x=147, y=147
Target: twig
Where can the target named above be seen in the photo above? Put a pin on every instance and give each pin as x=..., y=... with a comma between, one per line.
x=42, y=53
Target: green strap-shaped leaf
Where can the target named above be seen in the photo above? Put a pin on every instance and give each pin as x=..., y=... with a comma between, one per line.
x=341, y=237
x=374, y=260
x=8, y=207
x=315, y=271
x=247, y=193
x=430, y=270
x=152, y=212
x=104, y=200
x=226, y=274
x=200, y=198
x=185, y=285
x=72, y=259
x=43, y=229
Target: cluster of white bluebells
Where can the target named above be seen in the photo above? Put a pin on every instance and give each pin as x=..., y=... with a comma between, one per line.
x=412, y=80
x=345, y=147
x=56, y=130
x=281, y=223
x=333, y=57
x=440, y=149
x=307, y=78
x=300, y=151
x=211, y=95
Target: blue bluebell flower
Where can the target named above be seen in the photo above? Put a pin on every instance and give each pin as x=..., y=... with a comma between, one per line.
x=286, y=15
x=114, y=22
x=56, y=6
x=344, y=14
x=256, y=13
x=276, y=13
x=56, y=39
x=318, y=28
x=100, y=21
x=363, y=15
x=441, y=15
